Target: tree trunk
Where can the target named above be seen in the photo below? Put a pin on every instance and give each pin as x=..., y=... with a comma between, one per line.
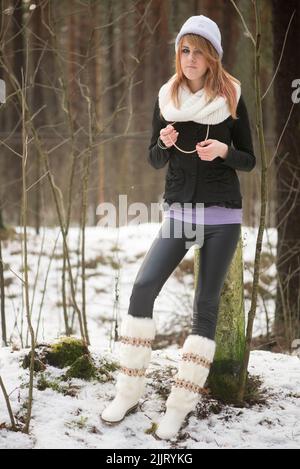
x=230, y=333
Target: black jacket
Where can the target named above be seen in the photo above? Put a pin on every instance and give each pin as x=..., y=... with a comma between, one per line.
x=190, y=179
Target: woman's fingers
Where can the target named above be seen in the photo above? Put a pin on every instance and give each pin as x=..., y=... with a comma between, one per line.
x=168, y=136
x=167, y=130
x=171, y=138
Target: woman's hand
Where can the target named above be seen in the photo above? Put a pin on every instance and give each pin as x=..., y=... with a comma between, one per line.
x=167, y=134
x=210, y=149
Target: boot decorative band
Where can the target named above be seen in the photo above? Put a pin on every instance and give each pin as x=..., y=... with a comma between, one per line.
x=137, y=341
x=133, y=371
x=196, y=359
x=182, y=383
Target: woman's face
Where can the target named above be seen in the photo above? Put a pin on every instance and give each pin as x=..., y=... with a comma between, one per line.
x=193, y=63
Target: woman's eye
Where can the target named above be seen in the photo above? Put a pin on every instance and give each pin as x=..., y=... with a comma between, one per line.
x=199, y=52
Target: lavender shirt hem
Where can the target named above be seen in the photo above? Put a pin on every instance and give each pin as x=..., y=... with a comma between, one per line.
x=213, y=215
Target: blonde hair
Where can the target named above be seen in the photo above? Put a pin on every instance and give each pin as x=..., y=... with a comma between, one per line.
x=217, y=81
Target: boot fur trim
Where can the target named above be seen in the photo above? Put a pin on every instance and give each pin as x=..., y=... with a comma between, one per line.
x=143, y=328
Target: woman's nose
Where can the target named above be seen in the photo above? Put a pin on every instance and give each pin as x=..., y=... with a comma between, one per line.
x=192, y=56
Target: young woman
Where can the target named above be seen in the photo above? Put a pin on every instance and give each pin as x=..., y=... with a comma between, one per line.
x=199, y=113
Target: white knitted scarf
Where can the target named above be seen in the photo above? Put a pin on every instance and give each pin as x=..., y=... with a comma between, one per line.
x=192, y=106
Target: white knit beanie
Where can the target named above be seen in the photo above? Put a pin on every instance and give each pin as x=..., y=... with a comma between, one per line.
x=203, y=26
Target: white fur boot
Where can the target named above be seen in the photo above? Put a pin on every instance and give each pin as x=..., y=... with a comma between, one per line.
x=136, y=337
x=197, y=356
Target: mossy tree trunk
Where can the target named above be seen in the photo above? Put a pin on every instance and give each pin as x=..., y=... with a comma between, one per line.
x=230, y=332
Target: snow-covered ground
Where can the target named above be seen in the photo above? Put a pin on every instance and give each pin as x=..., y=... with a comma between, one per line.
x=73, y=422
x=113, y=257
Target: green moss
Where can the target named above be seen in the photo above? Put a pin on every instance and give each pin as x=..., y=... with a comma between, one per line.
x=66, y=351
x=224, y=387
x=82, y=368
x=45, y=381
x=223, y=382
x=81, y=423
x=85, y=368
x=105, y=370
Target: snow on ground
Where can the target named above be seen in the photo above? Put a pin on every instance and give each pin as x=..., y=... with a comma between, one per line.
x=73, y=422
x=61, y=421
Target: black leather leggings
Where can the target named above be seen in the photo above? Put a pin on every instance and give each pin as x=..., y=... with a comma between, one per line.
x=217, y=248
